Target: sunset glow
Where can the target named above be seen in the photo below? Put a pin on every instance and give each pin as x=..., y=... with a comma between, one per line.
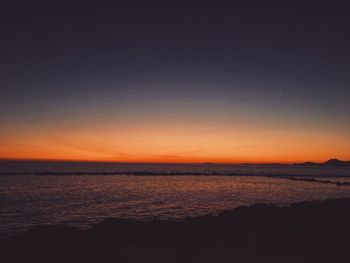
x=174, y=132
x=149, y=86
x=166, y=142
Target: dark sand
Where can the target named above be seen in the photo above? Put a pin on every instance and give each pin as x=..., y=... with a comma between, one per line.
x=316, y=231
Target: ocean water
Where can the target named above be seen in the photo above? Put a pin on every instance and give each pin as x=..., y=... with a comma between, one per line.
x=83, y=194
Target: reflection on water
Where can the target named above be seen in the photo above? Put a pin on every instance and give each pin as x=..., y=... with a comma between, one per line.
x=64, y=168
x=83, y=200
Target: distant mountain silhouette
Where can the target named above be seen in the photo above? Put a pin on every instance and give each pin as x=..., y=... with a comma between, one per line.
x=330, y=162
x=336, y=162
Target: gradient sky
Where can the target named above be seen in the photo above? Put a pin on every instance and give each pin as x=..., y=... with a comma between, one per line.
x=177, y=83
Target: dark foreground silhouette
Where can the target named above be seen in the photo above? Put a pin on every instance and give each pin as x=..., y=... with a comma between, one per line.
x=330, y=162
x=316, y=231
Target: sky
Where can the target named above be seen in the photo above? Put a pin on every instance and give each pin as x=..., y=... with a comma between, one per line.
x=193, y=82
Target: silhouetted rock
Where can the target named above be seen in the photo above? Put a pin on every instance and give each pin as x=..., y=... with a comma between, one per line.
x=317, y=231
x=330, y=162
x=336, y=162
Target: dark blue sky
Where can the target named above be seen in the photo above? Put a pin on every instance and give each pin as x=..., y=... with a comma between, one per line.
x=285, y=64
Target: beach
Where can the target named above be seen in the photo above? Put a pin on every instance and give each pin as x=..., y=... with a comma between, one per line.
x=315, y=231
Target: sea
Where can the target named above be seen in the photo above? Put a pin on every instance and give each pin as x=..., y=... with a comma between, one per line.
x=82, y=194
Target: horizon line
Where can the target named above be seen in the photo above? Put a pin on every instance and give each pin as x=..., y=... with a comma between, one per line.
x=153, y=162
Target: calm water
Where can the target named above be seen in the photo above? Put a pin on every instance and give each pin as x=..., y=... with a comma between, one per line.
x=84, y=194
x=64, y=168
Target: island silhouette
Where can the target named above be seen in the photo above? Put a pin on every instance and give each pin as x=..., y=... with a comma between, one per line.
x=330, y=162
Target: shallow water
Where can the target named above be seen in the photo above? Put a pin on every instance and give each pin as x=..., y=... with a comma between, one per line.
x=83, y=200
x=71, y=168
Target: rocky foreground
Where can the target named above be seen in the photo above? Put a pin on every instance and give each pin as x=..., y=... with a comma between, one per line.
x=317, y=231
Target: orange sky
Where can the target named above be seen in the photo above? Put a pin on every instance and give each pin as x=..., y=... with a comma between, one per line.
x=173, y=142
x=260, y=85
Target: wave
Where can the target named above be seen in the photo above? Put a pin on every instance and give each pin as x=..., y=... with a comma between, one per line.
x=293, y=177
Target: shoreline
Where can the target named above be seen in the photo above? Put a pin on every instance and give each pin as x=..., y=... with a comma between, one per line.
x=314, y=231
